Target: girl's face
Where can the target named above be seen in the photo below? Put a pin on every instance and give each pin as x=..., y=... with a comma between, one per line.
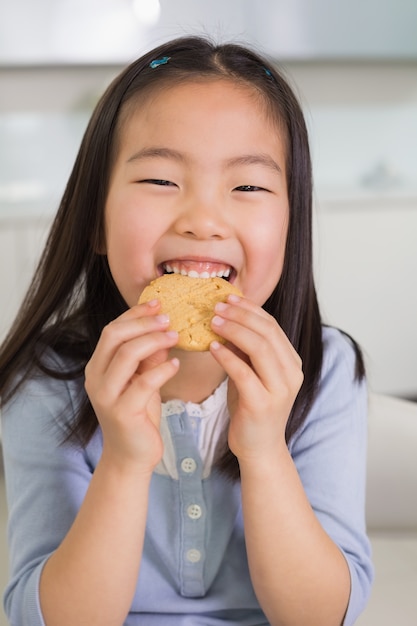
x=198, y=186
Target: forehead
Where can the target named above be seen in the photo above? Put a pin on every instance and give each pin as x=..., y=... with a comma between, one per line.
x=174, y=86
x=196, y=106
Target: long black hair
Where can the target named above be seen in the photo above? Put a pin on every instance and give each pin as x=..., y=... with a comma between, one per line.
x=73, y=296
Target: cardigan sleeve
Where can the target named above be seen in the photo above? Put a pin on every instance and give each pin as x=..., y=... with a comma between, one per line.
x=46, y=481
x=330, y=455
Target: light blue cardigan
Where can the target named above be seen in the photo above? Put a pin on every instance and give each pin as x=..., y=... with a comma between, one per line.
x=194, y=568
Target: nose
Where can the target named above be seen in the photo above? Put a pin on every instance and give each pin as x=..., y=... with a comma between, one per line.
x=203, y=219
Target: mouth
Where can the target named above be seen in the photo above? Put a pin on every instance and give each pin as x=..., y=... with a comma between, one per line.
x=198, y=269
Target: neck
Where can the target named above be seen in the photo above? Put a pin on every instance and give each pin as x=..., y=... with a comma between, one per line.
x=197, y=378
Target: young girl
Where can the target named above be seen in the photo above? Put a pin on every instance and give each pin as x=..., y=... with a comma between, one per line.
x=148, y=485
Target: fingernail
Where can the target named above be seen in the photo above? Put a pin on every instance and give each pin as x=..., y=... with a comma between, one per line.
x=153, y=302
x=233, y=298
x=162, y=319
x=215, y=345
x=220, y=306
x=172, y=334
x=217, y=321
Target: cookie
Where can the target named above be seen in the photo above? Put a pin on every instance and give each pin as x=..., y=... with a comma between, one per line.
x=190, y=302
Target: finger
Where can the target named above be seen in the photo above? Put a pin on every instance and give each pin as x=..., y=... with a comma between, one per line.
x=125, y=363
x=125, y=328
x=254, y=394
x=251, y=316
x=261, y=339
x=245, y=303
x=239, y=370
x=153, y=360
x=127, y=359
x=142, y=386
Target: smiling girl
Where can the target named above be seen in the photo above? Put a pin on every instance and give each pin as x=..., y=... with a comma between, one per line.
x=149, y=485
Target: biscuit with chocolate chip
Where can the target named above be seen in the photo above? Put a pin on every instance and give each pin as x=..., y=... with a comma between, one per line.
x=190, y=303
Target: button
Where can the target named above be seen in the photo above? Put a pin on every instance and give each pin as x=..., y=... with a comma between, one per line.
x=194, y=511
x=193, y=555
x=188, y=465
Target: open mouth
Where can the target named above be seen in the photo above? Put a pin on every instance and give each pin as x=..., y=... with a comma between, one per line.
x=203, y=269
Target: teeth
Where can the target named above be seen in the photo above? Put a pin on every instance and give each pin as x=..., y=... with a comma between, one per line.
x=172, y=269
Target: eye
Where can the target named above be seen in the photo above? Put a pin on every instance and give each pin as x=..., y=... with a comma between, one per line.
x=250, y=188
x=158, y=181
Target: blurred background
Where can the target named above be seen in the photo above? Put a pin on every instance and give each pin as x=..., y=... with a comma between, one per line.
x=354, y=67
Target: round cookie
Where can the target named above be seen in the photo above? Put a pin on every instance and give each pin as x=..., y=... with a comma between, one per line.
x=190, y=302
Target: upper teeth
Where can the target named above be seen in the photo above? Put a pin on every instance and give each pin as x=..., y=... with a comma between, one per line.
x=224, y=273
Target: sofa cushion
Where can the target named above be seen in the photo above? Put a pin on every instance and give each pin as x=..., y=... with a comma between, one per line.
x=392, y=464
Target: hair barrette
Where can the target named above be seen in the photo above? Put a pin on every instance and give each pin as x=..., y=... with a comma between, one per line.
x=158, y=62
x=268, y=72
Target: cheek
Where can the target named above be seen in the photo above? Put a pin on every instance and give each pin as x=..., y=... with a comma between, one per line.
x=126, y=225
x=268, y=236
x=266, y=250
x=126, y=247
x=122, y=240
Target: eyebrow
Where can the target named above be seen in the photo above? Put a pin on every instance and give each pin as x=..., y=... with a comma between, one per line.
x=168, y=153
x=156, y=152
x=255, y=159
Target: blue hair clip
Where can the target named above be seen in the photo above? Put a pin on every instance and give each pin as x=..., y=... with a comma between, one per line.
x=268, y=72
x=158, y=62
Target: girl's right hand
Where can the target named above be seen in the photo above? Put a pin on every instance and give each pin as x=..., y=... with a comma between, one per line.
x=122, y=380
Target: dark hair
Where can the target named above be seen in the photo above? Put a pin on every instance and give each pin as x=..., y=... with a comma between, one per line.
x=73, y=295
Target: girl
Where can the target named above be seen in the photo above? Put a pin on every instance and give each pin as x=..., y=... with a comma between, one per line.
x=147, y=485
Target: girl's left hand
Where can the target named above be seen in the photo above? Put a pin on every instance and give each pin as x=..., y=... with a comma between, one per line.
x=265, y=376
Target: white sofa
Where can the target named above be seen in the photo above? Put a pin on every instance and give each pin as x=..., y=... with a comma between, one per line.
x=392, y=511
